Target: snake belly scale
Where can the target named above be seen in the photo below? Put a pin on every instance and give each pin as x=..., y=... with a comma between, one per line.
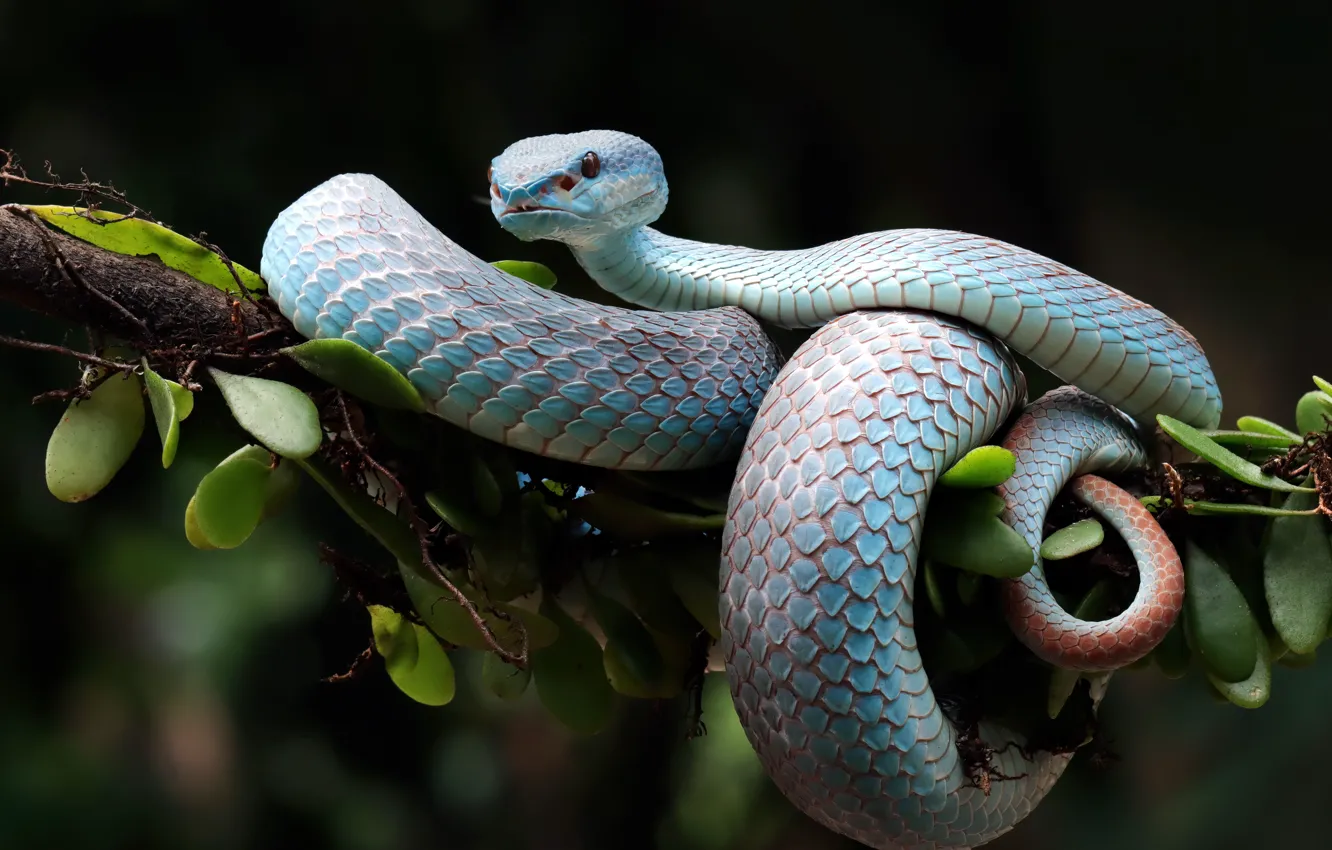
x=838, y=449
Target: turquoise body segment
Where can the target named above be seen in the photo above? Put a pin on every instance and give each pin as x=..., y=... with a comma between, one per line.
x=1095, y=337
x=514, y=363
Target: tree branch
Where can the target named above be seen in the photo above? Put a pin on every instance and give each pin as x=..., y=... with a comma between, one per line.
x=137, y=299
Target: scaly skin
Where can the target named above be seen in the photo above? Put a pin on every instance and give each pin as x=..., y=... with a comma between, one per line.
x=841, y=447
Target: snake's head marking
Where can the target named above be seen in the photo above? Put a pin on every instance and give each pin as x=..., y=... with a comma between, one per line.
x=576, y=188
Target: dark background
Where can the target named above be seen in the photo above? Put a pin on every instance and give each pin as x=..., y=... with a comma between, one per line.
x=152, y=696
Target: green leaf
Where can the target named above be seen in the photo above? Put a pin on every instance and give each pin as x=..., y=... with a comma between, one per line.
x=963, y=530
x=283, y=482
x=645, y=573
x=352, y=368
x=1255, y=689
x=969, y=586
x=934, y=588
x=184, y=400
x=1324, y=385
x=1096, y=605
x=456, y=512
x=391, y=532
x=163, y=402
x=276, y=414
x=446, y=617
x=229, y=502
x=534, y=273
x=630, y=649
x=1297, y=576
x=138, y=238
x=509, y=555
x=634, y=521
x=1311, y=410
x=1224, y=508
x=675, y=657
x=1082, y=536
x=1256, y=424
x=1252, y=439
x=1218, y=621
x=415, y=661
x=983, y=466
x=1172, y=654
x=95, y=438
x=1222, y=458
x=695, y=582
x=570, y=675
x=485, y=489
x=503, y=679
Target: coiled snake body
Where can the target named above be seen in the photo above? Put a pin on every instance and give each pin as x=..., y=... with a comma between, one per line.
x=838, y=449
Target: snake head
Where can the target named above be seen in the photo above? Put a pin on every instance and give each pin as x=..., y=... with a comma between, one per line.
x=577, y=188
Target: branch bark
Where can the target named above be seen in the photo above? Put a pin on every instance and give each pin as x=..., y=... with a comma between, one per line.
x=162, y=307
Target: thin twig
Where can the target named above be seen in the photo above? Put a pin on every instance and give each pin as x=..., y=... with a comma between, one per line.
x=422, y=530
x=47, y=347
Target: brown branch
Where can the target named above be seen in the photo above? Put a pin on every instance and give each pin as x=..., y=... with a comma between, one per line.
x=137, y=299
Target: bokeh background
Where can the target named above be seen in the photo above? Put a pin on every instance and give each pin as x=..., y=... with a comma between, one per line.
x=152, y=696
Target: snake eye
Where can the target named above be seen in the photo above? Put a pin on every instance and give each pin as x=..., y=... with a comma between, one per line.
x=591, y=164
x=490, y=174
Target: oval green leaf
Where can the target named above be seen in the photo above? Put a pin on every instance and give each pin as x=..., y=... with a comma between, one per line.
x=1258, y=425
x=1254, y=690
x=645, y=573
x=1082, y=536
x=503, y=679
x=983, y=466
x=283, y=482
x=415, y=661
x=635, y=653
x=570, y=675
x=969, y=586
x=634, y=521
x=229, y=502
x=489, y=497
x=1297, y=576
x=458, y=513
x=1312, y=412
x=391, y=532
x=1218, y=622
x=675, y=655
x=962, y=530
x=534, y=273
x=446, y=617
x=695, y=583
x=276, y=414
x=95, y=438
x=352, y=368
x=184, y=400
x=165, y=415
x=1222, y=458
x=139, y=238
x=934, y=588
x=1172, y=654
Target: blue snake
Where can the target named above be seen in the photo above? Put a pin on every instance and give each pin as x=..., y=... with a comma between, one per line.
x=909, y=366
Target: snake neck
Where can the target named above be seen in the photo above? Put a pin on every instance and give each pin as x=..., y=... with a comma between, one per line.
x=1093, y=336
x=652, y=269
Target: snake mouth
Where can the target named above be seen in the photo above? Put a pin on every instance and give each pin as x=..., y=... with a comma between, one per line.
x=524, y=207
